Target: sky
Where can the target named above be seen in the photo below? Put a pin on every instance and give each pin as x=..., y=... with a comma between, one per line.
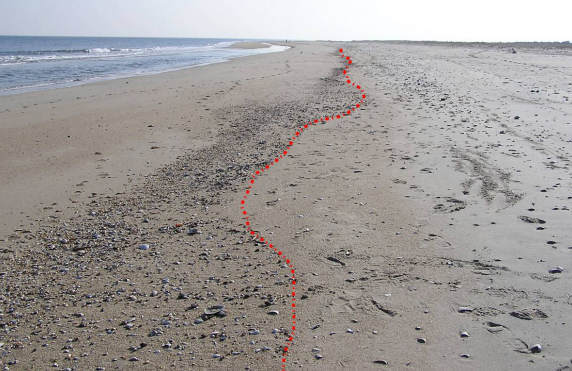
x=439, y=20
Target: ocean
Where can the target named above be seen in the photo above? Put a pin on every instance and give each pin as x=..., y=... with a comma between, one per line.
x=29, y=63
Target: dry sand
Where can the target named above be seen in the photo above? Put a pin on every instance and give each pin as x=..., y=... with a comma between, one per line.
x=431, y=213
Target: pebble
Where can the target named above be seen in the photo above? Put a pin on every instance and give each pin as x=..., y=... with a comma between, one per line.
x=350, y=331
x=465, y=356
x=464, y=334
x=421, y=340
x=465, y=310
x=380, y=362
x=319, y=356
x=214, y=310
x=273, y=312
x=193, y=231
x=216, y=355
x=556, y=270
x=536, y=348
x=143, y=247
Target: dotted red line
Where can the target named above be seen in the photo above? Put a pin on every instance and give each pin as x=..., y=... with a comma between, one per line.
x=267, y=167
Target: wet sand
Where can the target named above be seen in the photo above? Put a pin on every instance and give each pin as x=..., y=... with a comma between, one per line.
x=424, y=227
x=249, y=45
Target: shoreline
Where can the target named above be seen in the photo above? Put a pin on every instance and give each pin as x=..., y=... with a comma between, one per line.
x=71, y=84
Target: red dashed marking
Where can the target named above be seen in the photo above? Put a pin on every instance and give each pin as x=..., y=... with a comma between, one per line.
x=280, y=253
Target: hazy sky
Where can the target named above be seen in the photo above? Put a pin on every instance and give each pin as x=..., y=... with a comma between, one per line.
x=445, y=20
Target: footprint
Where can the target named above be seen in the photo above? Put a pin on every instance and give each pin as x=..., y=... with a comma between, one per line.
x=433, y=240
x=452, y=205
x=511, y=341
x=342, y=304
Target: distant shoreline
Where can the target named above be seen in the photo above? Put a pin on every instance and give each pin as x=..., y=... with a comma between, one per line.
x=29, y=63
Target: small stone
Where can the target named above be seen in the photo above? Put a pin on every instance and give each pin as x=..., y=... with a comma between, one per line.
x=143, y=247
x=418, y=328
x=556, y=270
x=380, y=362
x=350, y=331
x=319, y=356
x=465, y=356
x=421, y=340
x=315, y=350
x=133, y=359
x=198, y=321
x=216, y=355
x=464, y=334
x=273, y=312
x=536, y=348
x=214, y=310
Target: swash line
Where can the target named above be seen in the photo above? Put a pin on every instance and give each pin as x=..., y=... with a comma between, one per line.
x=267, y=167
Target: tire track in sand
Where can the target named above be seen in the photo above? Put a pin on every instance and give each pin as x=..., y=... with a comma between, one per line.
x=279, y=157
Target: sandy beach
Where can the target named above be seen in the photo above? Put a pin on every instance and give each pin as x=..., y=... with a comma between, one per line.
x=429, y=228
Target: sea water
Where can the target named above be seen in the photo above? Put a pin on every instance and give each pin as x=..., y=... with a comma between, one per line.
x=30, y=63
